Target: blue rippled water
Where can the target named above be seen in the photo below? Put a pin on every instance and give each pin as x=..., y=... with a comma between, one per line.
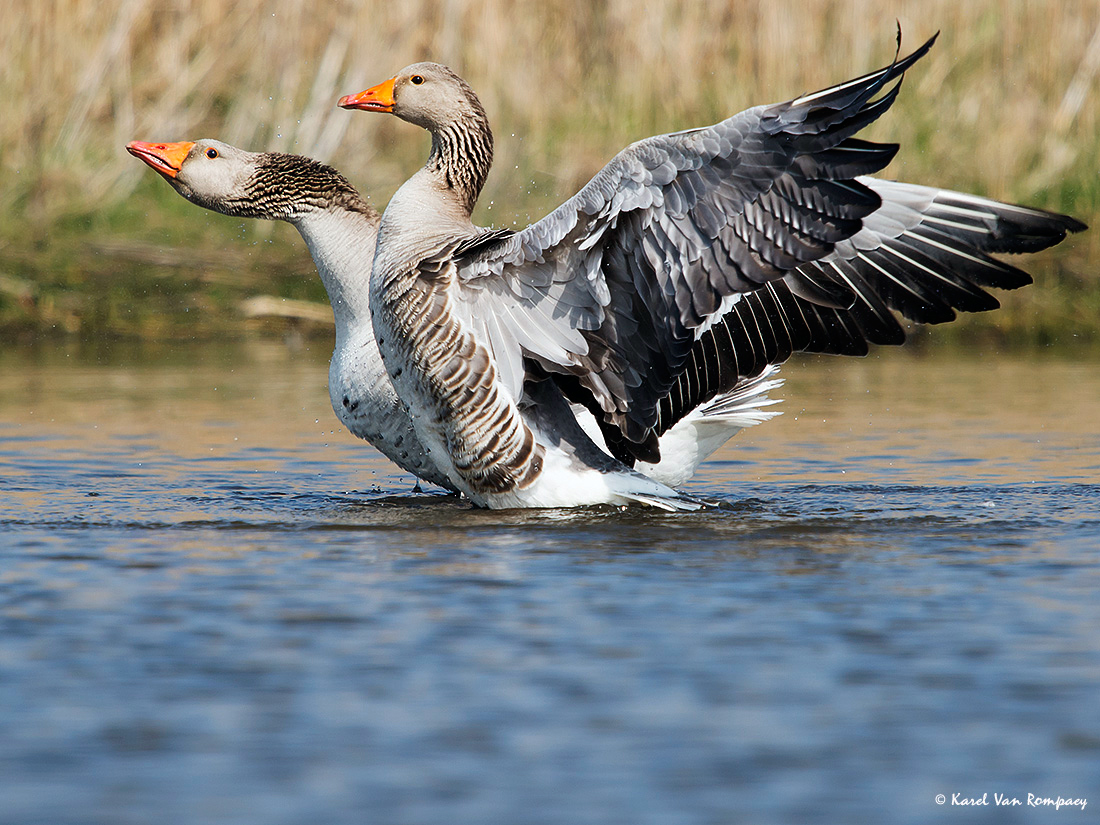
x=215, y=608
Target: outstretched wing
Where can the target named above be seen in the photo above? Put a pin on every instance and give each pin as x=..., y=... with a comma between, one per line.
x=618, y=286
x=925, y=253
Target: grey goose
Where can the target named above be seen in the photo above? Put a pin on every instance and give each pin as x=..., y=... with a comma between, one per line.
x=691, y=262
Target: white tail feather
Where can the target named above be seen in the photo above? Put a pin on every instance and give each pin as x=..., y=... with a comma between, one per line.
x=701, y=432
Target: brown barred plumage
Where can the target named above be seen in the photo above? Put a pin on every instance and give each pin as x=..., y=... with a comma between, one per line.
x=492, y=448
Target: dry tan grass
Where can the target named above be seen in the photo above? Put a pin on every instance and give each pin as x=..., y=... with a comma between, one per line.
x=1005, y=104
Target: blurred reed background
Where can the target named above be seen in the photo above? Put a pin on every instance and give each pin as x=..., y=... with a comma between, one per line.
x=92, y=241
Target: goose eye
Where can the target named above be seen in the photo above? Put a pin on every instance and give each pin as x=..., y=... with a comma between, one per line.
x=416, y=79
x=211, y=153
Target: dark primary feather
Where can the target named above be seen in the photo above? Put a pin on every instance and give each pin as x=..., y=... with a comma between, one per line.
x=934, y=261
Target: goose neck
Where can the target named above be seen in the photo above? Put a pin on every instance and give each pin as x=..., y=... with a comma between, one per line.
x=461, y=156
x=341, y=243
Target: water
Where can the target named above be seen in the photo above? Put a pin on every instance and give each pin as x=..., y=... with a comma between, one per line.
x=216, y=607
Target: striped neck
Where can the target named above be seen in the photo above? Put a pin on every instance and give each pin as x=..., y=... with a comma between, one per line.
x=462, y=154
x=285, y=187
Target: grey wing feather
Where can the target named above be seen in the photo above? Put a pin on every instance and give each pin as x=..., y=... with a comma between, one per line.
x=645, y=254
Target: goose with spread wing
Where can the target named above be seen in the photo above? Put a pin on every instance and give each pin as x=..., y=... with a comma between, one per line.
x=339, y=228
x=691, y=262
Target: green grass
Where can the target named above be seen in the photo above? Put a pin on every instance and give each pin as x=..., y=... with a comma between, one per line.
x=1006, y=105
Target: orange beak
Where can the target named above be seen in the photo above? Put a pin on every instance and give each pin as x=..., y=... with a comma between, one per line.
x=166, y=158
x=375, y=99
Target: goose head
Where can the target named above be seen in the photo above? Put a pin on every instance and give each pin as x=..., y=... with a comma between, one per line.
x=206, y=172
x=427, y=94
x=433, y=97
x=239, y=183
